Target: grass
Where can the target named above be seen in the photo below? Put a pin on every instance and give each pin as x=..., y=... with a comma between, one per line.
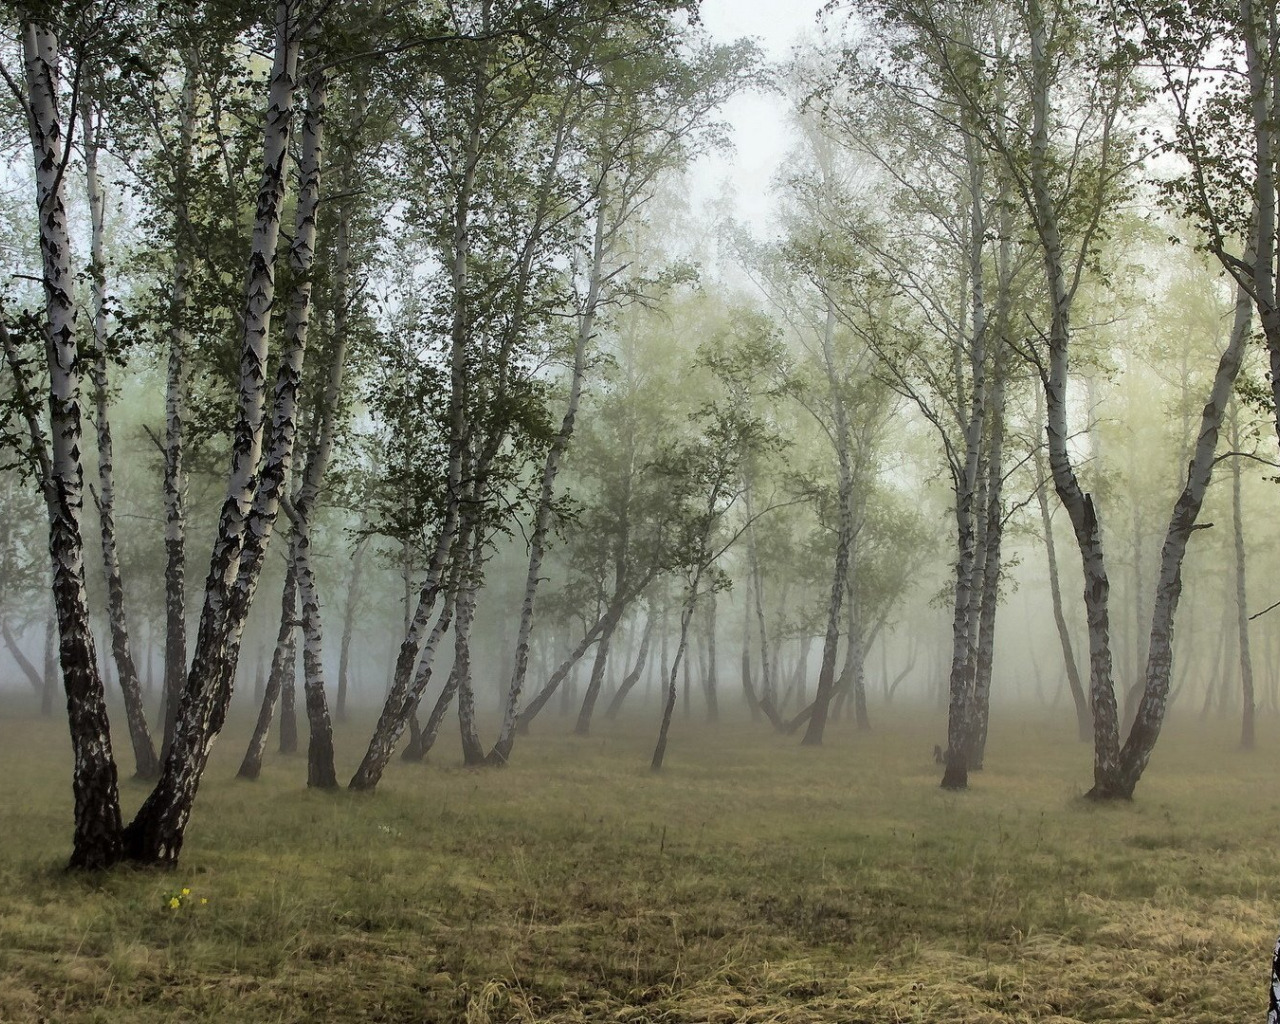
x=752, y=881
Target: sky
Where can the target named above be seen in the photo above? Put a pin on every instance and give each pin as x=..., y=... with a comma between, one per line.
x=757, y=122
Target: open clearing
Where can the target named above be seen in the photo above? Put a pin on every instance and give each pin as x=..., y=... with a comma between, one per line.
x=752, y=881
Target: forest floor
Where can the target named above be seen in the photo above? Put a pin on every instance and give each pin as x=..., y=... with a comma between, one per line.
x=753, y=880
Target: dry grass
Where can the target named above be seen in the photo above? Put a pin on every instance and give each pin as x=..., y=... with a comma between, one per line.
x=752, y=881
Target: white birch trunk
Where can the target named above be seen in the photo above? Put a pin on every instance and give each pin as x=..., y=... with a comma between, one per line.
x=147, y=765
x=244, y=524
x=97, y=837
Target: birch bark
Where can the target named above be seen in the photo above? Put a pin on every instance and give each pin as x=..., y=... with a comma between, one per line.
x=147, y=765
x=96, y=841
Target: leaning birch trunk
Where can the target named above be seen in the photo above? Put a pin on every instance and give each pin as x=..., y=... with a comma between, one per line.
x=501, y=751
x=320, y=768
x=669, y=702
x=97, y=836
x=1242, y=615
x=397, y=707
x=844, y=538
x=1079, y=505
x=147, y=765
x=595, y=681
x=1182, y=523
x=175, y=409
x=282, y=667
x=633, y=677
x=394, y=719
x=348, y=628
x=156, y=834
x=1084, y=718
x=558, y=676
x=22, y=661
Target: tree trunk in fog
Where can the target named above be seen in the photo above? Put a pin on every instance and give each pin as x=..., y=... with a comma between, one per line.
x=175, y=410
x=51, y=674
x=1182, y=523
x=283, y=664
x=980, y=711
x=768, y=678
x=97, y=835
x=558, y=676
x=582, y=727
x=348, y=628
x=259, y=679
x=23, y=663
x=1242, y=613
x=748, y=687
x=321, y=773
x=254, y=484
x=633, y=677
x=397, y=713
x=431, y=731
x=1084, y=717
x=844, y=538
x=472, y=751
x=1079, y=505
x=710, y=682
x=144, y=751
x=501, y=751
x=669, y=701
x=967, y=480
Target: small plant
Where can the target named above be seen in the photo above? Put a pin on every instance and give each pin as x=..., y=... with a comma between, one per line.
x=179, y=898
x=387, y=830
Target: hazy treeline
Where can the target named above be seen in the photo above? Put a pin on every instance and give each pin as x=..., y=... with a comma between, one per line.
x=400, y=316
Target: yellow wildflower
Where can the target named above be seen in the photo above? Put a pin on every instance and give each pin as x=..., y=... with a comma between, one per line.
x=203, y=901
x=174, y=902
x=186, y=892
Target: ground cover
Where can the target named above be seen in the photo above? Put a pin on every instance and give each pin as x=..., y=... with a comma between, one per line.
x=754, y=880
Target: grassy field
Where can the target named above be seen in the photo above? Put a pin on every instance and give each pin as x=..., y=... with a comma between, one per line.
x=752, y=881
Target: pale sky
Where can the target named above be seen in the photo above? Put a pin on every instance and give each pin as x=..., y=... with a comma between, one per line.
x=758, y=122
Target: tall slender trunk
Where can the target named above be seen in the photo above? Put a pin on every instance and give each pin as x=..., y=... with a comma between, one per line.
x=282, y=666
x=967, y=480
x=501, y=752
x=844, y=537
x=1247, y=738
x=1182, y=523
x=175, y=409
x=633, y=677
x=321, y=773
x=248, y=513
x=669, y=702
x=1079, y=505
x=582, y=727
x=472, y=752
x=1084, y=716
x=710, y=681
x=562, y=671
x=51, y=674
x=97, y=837
x=992, y=536
x=348, y=628
x=144, y=751
x=396, y=713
